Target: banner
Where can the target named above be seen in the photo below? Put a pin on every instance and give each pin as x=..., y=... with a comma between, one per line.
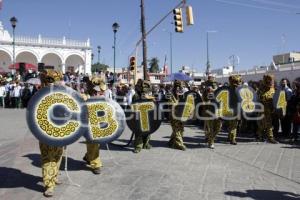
x=58, y=116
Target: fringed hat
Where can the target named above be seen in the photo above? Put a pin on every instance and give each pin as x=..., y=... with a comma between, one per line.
x=146, y=87
x=98, y=83
x=268, y=79
x=211, y=84
x=143, y=86
x=235, y=80
x=55, y=75
x=50, y=76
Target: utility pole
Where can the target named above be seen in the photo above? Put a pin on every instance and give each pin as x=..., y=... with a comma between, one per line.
x=207, y=53
x=171, y=51
x=143, y=27
x=207, y=49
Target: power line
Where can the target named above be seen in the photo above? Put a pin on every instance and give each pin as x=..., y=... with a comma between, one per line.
x=254, y=6
x=280, y=4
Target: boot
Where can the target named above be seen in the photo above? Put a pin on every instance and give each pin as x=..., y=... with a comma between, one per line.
x=183, y=148
x=137, y=150
x=233, y=142
x=49, y=192
x=272, y=141
x=147, y=146
x=96, y=170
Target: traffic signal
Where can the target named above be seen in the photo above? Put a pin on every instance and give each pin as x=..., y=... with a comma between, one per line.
x=189, y=16
x=132, y=63
x=178, y=20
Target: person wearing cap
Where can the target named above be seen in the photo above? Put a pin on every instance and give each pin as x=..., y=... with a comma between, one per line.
x=176, y=139
x=50, y=155
x=265, y=95
x=234, y=82
x=142, y=91
x=96, y=87
x=212, y=125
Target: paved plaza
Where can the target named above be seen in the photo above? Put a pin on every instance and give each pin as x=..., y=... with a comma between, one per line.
x=247, y=171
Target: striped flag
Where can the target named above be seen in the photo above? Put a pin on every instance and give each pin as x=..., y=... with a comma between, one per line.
x=165, y=68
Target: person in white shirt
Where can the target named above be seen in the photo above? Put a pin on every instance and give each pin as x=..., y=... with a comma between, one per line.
x=17, y=95
x=2, y=94
x=130, y=94
x=108, y=93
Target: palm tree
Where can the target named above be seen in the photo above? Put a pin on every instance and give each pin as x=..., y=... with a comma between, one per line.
x=154, y=67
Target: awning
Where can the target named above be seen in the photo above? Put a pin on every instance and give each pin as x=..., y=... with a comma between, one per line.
x=28, y=66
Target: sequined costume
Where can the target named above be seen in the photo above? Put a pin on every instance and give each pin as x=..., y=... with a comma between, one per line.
x=142, y=91
x=265, y=95
x=50, y=155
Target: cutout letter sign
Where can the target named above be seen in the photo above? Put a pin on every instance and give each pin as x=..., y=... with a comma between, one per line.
x=58, y=116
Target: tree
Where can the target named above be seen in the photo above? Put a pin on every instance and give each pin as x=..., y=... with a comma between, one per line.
x=154, y=68
x=99, y=67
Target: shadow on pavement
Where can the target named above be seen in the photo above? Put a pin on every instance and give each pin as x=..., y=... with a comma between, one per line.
x=15, y=178
x=291, y=147
x=264, y=194
x=73, y=165
x=117, y=146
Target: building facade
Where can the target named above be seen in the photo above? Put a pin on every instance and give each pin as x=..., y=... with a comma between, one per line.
x=222, y=71
x=58, y=53
x=127, y=77
x=286, y=58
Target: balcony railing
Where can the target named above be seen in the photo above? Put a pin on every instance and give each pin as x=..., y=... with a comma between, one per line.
x=56, y=42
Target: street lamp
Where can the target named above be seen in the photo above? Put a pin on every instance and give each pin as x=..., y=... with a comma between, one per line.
x=115, y=28
x=13, y=22
x=207, y=51
x=99, y=49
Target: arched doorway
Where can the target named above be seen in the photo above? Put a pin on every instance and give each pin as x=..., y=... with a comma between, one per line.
x=5, y=61
x=75, y=63
x=52, y=60
x=26, y=57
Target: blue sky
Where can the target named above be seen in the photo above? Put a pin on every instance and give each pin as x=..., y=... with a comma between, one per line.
x=252, y=29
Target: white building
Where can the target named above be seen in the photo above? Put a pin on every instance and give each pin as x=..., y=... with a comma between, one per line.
x=223, y=71
x=61, y=53
x=286, y=58
x=127, y=77
x=289, y=71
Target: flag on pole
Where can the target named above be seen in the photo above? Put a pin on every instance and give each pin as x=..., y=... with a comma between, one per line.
x=1, y=3
x=165, y=68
